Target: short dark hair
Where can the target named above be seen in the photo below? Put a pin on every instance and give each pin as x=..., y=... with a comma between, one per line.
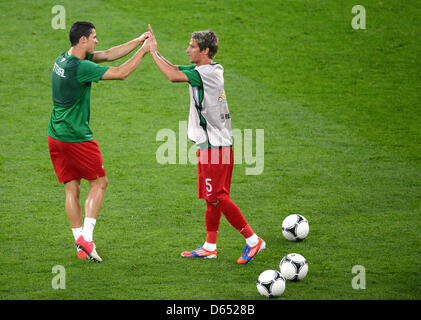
x=206, y=39
x=80, y=29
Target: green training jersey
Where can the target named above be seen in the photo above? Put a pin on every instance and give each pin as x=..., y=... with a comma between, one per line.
x=71, y=90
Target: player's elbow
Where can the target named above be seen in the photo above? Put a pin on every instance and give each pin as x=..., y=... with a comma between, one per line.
x=123, y=76
x=115, y=74
x=105, y=56
x=177, y=76
x=122, y=73
x=174, y=77
x=110, y=55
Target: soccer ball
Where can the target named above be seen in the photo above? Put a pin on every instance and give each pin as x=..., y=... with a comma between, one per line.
x=271, y=284
x=293, y=267
x=295, y=227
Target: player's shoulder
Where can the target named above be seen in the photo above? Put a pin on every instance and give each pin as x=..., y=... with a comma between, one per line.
x=67, y=61
x=186, y=67
x=211, y=71
x=61, y=56
x=210, y=68
x=87, y=65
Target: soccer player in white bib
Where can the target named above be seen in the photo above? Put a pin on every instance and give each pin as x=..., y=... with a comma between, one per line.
x=209, y=127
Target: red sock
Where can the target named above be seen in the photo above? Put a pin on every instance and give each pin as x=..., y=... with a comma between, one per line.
x=212, y=217
x=234, y=216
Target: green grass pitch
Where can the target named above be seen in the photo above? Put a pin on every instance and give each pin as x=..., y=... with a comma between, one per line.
x=340, y=109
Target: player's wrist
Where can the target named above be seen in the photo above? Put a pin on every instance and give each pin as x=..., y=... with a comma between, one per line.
x=143, y=51
x=140, y=41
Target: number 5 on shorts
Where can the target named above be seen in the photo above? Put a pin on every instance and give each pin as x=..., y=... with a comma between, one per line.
x=208, y=184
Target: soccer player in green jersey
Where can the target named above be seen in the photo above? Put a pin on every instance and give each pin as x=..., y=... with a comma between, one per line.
x=209, y=127
x=74, y=153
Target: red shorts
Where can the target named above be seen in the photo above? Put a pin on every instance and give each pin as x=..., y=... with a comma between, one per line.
x=76, y=160
x=215, y=167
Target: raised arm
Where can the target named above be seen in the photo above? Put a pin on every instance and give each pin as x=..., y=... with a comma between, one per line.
x=123, y=71
x=120, y=51
x=167, y=68
x=166, y=61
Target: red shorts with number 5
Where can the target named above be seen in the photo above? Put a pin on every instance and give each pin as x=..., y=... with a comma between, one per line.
x=76, y=160
x=215, y=167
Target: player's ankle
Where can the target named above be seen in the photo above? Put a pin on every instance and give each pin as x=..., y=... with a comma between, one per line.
x=252, y=240
x=209, y=246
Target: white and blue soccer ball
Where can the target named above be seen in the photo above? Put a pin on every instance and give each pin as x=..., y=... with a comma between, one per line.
x=295, y=227
x=293, y=267
x=271, y=284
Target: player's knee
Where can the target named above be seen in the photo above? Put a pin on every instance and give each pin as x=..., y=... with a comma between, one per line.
x=104, y=183
x=73, y=193
x=72, y=188
x=100, y=183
